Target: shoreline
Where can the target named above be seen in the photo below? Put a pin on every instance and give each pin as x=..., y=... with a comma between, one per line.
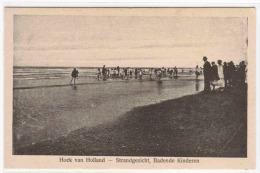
x=102, y=82
x=189, y=126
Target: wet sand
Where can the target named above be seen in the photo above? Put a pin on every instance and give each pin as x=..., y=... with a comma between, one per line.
x=46, y=113
x=200, y=125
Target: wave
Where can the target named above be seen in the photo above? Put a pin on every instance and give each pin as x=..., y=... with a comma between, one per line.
x=37, y=78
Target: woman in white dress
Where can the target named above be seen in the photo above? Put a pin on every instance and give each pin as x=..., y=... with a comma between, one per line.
x=150, y=73
x=140, y=74
x=221, y=82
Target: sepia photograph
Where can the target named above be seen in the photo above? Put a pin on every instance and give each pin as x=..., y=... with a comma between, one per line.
x=133, y=82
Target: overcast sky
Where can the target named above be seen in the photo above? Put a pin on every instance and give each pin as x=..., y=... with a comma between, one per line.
x=127, y=40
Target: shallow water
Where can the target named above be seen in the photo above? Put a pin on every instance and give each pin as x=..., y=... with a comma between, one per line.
x=46, y=76
x=47, y=113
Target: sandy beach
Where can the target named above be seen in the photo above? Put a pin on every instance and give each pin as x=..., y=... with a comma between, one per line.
x=200, y=125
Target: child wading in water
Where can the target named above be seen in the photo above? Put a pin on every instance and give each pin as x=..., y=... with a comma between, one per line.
x=159, y=74
x=150, y=73
x=140, y=74
x=74, y=75
x=99, y=74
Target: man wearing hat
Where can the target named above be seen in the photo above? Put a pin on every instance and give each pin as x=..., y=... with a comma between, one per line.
x=207, y=73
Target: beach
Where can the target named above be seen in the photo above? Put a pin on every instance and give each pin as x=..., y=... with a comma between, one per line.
x=46, y=107
x=198, y=125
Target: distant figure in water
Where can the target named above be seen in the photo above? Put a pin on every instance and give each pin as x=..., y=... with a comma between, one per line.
x=140, y=74
x=136, y=72
x=175, y=71
x=126, y=74
x=104, y=70
x=74, y=75
x=159, y=74
x=197, y=74
x=150, y=73
x=118, y=71
x=99, y=74
x=131, y=73
x=207, y=74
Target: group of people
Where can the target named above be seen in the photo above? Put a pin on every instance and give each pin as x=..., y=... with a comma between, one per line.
x=223, y=75
x=123, y=73
x=215, y=75
x=126, y=73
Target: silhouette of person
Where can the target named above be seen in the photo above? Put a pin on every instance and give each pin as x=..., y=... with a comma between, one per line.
x=74, y=75
x=175, y=71
x=207, y=74
x=226, y=73
x=214, y=75
x=232, y=73
x=104, y=70
x=242, y=69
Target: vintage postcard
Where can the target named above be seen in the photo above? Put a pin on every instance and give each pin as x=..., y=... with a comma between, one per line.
x=130, y=88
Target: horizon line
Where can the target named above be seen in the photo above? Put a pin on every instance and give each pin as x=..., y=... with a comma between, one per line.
x=98, y=67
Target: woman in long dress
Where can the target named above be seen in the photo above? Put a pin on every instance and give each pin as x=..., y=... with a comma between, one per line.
x=214, y=75
x=221, y=82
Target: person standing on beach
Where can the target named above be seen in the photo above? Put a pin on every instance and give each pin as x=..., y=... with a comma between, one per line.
x=108, y=73
x=140, y=74
x=231, y=71
x=226, y=74
x=175, y=71
x=131, y=73
x=136, y=72
x=206, y=72
x=242, y=70
x=197, y=73
x=159, y=74
x=171, y=73
x=155, y=72
x=126, y=74
x=118, y=69
x=99, y=74
x=104, y=70
x=220, y=74
x=74, y=75
x=214, y=75
x=150, y=73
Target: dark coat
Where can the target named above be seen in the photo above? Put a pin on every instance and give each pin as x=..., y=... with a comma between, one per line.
x=74, y=73
x=214, y=72
x=242, y=71
x=226, y=72
x=231, y=71
x=207, y=71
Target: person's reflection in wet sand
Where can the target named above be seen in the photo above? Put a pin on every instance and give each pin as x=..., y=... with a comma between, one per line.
x=159, y=87
x=75, y=88
x=197, y=85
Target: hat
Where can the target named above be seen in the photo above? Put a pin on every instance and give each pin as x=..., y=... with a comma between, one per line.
x=205, y=58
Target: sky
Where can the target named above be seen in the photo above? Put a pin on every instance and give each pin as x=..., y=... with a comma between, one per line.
x=127, y=41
